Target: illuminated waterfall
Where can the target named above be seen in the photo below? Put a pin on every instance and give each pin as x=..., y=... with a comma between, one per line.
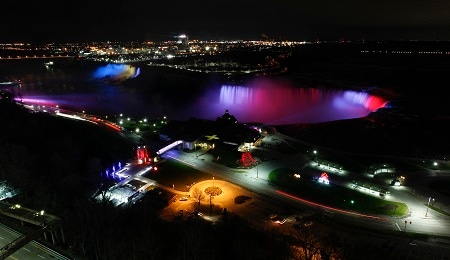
x=277, y=104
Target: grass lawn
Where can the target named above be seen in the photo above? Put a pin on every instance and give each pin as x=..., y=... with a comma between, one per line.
x=334, y=195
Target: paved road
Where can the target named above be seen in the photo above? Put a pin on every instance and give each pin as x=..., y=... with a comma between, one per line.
x=32, y=250
x=256, y=181
x=435, y=223
x=397, y=247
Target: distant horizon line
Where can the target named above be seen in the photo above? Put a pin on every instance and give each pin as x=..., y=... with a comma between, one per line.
x=214, y=40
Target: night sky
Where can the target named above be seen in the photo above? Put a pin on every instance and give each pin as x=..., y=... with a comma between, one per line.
x=139, y=20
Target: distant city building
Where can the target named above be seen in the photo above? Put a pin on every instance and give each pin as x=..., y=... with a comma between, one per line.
x=183, y=43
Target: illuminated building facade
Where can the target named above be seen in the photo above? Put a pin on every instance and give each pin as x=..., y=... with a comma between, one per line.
x=142, y=154
x=183, y=43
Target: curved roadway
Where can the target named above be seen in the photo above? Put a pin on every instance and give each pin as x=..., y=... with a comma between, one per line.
x=420, y=219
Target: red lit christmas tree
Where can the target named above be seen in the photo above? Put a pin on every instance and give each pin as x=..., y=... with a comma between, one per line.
x=247, y=159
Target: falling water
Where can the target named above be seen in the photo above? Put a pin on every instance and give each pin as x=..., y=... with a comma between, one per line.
x=276, y=103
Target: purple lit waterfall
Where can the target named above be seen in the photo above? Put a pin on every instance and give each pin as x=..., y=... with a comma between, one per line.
x=276, y=103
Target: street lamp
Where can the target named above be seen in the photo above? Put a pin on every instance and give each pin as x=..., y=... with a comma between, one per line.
x=428, y=206
x=257, y=162
x=213, y=180
x=315, y=157
x=41, y=214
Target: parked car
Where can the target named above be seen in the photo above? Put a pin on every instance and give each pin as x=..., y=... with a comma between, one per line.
x=197, y=213
x=308, y=223
x=273, y=216
x=277, y=219
x=280, y=220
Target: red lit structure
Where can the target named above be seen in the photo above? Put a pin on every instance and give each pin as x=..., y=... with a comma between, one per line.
x=247, y=159
x=142, y=154
x=324, y=178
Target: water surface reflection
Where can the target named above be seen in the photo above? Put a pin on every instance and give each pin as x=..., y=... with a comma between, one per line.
x=127, y=89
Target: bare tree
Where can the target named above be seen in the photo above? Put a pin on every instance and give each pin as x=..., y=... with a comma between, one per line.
x=330, y=246
x=308, y=243
x=198, y=195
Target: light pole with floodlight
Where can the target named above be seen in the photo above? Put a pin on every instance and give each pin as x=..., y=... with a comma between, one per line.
x=315, y=157
x=195, y=150
x=43, y=217
x=428, y=206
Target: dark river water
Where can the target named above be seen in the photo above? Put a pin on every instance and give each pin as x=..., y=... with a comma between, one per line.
x=141, y=90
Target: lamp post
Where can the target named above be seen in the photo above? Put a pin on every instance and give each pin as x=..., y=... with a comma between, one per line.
x=257, y=162
x=315, y=157
x=213, y=180
x=43, y=218
x=428, y=206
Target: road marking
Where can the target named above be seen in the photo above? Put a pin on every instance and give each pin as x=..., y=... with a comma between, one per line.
x=41, y=256
x=397, y=226
x=27, y=249
x=1, y=237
